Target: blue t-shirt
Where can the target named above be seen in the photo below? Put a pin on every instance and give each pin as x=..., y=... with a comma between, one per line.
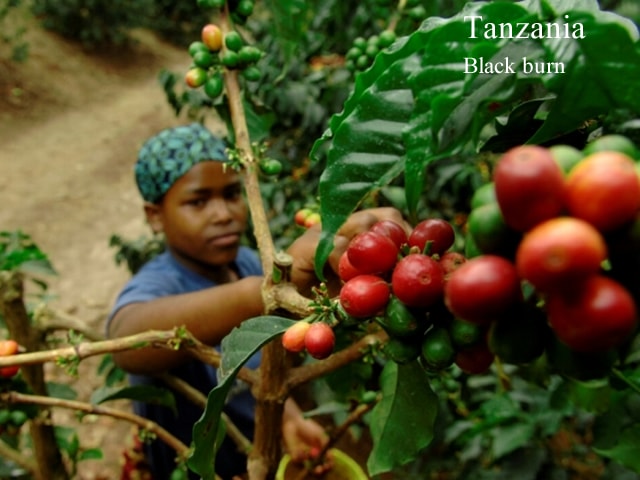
x=160, y=277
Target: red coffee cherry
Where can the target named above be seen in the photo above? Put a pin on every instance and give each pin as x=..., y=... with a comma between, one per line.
x=482, y=288
x=319, y=340
x=372, y=253
x=418, y=280
x=346, y=271
x=391, y=229
x=364, y=296
x=437, y=231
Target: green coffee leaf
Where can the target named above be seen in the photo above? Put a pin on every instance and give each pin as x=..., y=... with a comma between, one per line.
x=408, y=405
x=237, y=348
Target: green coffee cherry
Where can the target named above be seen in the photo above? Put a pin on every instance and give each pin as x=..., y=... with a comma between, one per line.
x=196, y=47
x=214, y=86
x=353, y=53
x=249, y=54
x=230, y=59
x=18, y=418
x=203, y=59
x=252, y=74
x=363, y=62
x=437, y=350
x=417, y=13
x=402, y=351
x=360, y=42
x=371, y=51
x=5, y=416
x=270, y=166
x=245, y=7
x=386, y=38
x=233, y=41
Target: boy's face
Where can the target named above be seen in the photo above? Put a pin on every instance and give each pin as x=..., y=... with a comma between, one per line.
x=203, y=216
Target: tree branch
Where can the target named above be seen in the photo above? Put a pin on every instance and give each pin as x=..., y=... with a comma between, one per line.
x=22, y=398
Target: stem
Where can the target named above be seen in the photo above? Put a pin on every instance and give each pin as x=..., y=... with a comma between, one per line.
x=157, y=338
x=48, y=457
x=251, y=183
x=197, y=398
x=88, y=349
x=49, y=319
x=17, y=398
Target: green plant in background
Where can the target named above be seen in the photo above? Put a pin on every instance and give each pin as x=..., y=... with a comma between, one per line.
x=12, y=30
x=93, y=23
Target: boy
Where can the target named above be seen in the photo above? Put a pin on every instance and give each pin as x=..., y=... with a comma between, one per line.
x=206, y=281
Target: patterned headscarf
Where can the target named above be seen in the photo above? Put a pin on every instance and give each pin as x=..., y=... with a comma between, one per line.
x=167, y=156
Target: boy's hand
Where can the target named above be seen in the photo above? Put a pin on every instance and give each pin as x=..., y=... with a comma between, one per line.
x=303, y=250
x=304, y=439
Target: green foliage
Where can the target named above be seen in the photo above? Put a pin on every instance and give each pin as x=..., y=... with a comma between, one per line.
x=94, y=23
x=408, y=405
x=136, y=252
x=177, y=22
x=19, y=253
x=431, y=110
x=12, y=29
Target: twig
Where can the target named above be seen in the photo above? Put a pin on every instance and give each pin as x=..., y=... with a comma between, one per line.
x=197, y=398
x=88, y=349
x=49, y=319
x=22, y=398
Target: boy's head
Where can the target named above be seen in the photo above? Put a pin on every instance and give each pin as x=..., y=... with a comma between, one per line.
x=191, y=198
x=167, y=156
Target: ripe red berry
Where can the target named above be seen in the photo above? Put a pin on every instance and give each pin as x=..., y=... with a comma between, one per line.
x=293, y=337
x=451, y=261
x=418, y=280
x=346, y=271
x=319, y=340
x=482, y=288
x=437, y=232
x=7, y=348
x=372, y=253
x=364, y=295
x=391, y=229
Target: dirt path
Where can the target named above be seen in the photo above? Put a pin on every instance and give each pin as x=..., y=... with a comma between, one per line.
x=70, y=126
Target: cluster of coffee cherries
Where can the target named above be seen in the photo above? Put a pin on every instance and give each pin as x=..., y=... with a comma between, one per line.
x=240, y=10
x=398, y=279
x=307, y=217
x=364, y=50
x=395, y=278
x=214, y=52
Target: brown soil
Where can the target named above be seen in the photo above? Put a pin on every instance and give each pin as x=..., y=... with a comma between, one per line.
x=70, y=126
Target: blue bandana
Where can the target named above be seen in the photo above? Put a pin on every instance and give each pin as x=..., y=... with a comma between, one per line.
x=166, y=157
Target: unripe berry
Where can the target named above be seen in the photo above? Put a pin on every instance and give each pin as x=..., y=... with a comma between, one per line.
x=293, y=337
